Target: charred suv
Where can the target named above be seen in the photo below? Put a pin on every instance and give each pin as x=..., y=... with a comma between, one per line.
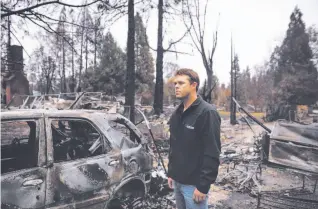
x=71, y=159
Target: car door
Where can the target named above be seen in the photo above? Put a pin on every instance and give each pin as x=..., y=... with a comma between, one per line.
x=23, y=171
x=83, y=181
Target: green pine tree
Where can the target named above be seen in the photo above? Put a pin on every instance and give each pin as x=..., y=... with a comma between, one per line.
x=296, y=75
x=109, y=75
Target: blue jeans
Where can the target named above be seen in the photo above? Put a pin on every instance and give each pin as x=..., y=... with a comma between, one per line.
x=184, y=197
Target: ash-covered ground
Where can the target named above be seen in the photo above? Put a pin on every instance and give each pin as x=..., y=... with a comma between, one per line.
x=229, y=191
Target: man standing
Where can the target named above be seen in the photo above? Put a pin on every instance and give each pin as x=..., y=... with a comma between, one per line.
x=194, y=144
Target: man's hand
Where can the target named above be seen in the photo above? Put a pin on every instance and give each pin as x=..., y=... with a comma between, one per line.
x=170, y=181
x=198, y=196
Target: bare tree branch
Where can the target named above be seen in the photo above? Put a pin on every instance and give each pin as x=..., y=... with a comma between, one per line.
x=20, y=11
x=197, y=34
x=62, y=21
x=192, y=23
x=194, y=41
x=178, y=40
x=204, y=17
x=50, y=31
x=167, y=50
x=56, y=33
x=117, y=16
x=178, y=52
x=147, y=42
x=118, y=5
x=197, y=16
x=16, y=3
x=215, y=41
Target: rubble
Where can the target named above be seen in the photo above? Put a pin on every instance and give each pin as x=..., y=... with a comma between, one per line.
x=245, y=171
x=249, y=162
x=242, y=159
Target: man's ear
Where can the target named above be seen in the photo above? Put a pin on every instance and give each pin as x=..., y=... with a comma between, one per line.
x=195, y=84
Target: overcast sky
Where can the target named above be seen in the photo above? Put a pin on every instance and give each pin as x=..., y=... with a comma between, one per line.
x=257, y=26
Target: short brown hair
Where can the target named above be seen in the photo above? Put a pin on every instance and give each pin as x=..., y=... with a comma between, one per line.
x=193, y=76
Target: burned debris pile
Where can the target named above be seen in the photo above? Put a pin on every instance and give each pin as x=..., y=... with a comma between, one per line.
x=244, y=158
x=243, y=167
x=288, y=146
x=290, y=198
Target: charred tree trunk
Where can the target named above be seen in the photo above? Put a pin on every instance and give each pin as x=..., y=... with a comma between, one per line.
x=73, y=70
x=209, y=88
x=158, y=100
x=86, y=52
x=235, y=92
x=47, y=90
x=63, y=74
x=51, y=76
x=232, y=120
x=48, y=84
x=208, y=65
x=47, y=77
x=232, y=110
x=130, y=76
x=8, y=46
x=81, y=60
x=72, y=85
x=95, y=44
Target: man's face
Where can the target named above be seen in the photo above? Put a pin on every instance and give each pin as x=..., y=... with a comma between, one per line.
x=183, y=87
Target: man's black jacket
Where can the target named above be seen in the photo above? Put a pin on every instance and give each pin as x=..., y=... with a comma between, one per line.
x=195, y=145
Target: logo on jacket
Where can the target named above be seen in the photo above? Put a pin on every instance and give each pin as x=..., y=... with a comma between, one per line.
x=189, y=127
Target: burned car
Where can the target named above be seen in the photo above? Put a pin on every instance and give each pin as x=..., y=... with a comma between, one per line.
x=72, y=159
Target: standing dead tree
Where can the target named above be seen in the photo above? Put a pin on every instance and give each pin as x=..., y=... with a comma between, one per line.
x=196, y=26
x=163, y=8
x=234, y=77
x=131, y=74
x=158, y=99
